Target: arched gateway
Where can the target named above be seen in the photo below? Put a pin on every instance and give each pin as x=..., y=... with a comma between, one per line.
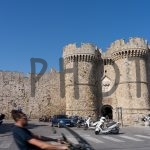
x=107, y=111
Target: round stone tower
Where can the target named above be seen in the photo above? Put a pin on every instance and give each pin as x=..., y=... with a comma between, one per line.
x=81, y=79
x=132, y=96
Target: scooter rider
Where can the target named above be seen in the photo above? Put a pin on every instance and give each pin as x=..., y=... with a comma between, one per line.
x=26, y=140
x=101, y=122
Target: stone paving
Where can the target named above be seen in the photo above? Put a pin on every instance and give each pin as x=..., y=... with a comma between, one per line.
x=130, y=138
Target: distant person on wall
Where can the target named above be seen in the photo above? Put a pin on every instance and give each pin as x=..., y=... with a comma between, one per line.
x=26, y=140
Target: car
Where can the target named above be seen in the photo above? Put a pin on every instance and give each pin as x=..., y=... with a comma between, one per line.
x=74, y=119
x=61, y=121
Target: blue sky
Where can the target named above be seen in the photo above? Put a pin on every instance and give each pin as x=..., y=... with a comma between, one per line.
x=41, y=28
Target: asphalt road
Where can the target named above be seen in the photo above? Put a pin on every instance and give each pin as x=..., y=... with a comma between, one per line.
x=130, y=138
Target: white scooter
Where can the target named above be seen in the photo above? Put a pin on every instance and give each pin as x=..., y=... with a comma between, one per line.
x=112, y=127
x=89, y=124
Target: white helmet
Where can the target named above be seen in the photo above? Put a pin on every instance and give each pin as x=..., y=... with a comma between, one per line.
x=102, y=118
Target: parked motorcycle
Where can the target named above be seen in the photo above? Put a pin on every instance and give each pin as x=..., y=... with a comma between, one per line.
x=80, y=123
x=112, y=127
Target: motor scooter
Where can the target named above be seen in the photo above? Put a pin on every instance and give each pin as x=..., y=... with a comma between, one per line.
x=112, y=127
x=89, y=124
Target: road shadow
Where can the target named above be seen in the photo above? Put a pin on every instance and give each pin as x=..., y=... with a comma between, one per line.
x=121, y=133
x=117, y=133
x=7, y=127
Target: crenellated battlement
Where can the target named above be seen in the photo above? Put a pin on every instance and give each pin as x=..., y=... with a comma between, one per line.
x=12, y=75
x=131, y=44
x=135, y=47
x=84, y=49
x=86, y=52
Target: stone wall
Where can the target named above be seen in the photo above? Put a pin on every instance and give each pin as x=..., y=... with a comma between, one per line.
x=120, y=78
x=15, y=91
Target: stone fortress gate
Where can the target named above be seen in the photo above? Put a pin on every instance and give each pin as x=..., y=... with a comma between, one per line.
x=114, y=84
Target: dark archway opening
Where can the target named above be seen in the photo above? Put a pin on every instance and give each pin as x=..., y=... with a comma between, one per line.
x=106, y=111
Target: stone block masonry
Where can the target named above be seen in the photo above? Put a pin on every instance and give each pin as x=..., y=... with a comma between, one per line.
x=115, y=84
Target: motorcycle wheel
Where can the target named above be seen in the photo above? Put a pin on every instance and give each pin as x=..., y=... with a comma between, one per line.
x=96, y=132
x=116, y=131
